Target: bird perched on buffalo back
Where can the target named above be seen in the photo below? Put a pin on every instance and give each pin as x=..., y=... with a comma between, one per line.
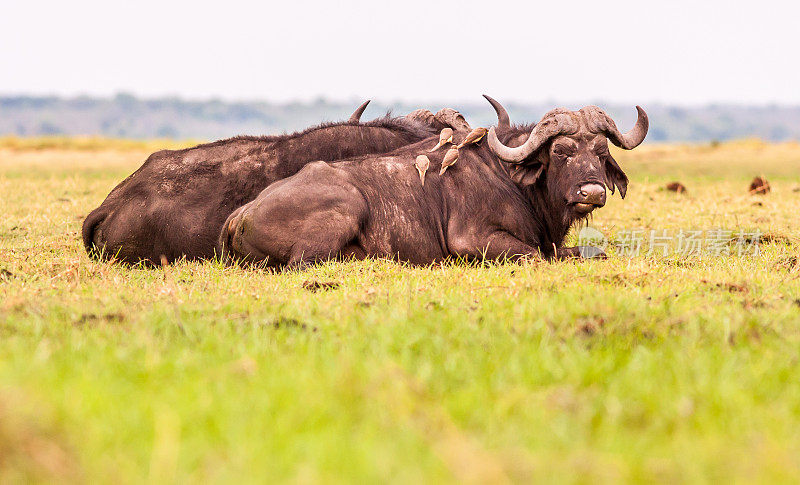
x=422, y=163
x=449, y=159
x=474, y=136
x=446, y=136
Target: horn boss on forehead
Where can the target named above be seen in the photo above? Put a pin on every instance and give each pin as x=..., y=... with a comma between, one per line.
x=562, y=121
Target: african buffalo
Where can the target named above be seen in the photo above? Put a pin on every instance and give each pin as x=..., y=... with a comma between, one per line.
x=175, y=203
x=488, y=200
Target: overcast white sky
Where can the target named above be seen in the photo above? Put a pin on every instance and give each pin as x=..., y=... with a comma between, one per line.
x=683, y=52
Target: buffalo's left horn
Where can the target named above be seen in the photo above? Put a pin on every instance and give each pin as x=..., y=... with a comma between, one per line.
x=513, y=155
x=633, y=138
x=356, y=116
x=503, y=120
x=555, y=122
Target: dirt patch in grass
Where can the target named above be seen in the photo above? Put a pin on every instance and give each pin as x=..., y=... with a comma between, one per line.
x=102, y=318
x=292, y=323
x=6, y=275
x=727, y=286
x=590, y=326
x=315, y=286
x=775, y=238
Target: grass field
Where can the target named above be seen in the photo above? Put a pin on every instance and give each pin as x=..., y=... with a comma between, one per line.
x=643, y=368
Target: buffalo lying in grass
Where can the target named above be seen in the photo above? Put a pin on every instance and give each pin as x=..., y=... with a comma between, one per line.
x=494, y=201
x=174, y=205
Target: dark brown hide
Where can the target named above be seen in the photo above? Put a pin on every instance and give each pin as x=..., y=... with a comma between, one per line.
x=481, y=207
x=175, y=203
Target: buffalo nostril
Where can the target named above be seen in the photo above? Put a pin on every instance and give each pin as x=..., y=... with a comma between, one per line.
x=593, y=194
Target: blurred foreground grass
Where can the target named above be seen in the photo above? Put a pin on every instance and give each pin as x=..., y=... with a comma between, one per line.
x=648, y=368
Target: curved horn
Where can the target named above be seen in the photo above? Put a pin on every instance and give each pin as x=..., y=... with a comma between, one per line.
x=553, y=123
x=503, y=121
x=356, y=116
x=633, y=138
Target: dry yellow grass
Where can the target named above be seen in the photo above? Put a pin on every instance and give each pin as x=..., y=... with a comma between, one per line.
x=89, y=143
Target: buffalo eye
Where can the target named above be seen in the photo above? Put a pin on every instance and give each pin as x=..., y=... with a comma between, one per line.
x=563, y=151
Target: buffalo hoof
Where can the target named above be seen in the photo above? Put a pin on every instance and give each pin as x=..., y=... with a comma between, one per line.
x=580, y=252
x=591, y=252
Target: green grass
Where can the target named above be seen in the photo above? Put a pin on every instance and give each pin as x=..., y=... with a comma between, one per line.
x=636, y=369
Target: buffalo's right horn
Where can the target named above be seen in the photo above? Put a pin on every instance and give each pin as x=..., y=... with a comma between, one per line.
x=356, y=116
x=503, y=121
x=633, y=138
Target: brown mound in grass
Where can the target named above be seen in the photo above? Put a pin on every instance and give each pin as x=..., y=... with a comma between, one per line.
x=676, y=187
x=759, y=185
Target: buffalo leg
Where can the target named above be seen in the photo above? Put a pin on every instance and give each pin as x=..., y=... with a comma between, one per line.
x=497, y=246
x=502, y=245
x=305, y=219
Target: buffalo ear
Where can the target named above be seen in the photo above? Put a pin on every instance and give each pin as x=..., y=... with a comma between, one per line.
x=526, y=174
x=531, y=169
x=616, y=176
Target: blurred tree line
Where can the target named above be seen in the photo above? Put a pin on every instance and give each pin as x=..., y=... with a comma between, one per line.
x=128, y=116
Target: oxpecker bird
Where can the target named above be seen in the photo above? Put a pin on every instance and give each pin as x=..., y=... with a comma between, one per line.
x=449, y=159
x=446, y=136
x=422, y=163
x=474, y=136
